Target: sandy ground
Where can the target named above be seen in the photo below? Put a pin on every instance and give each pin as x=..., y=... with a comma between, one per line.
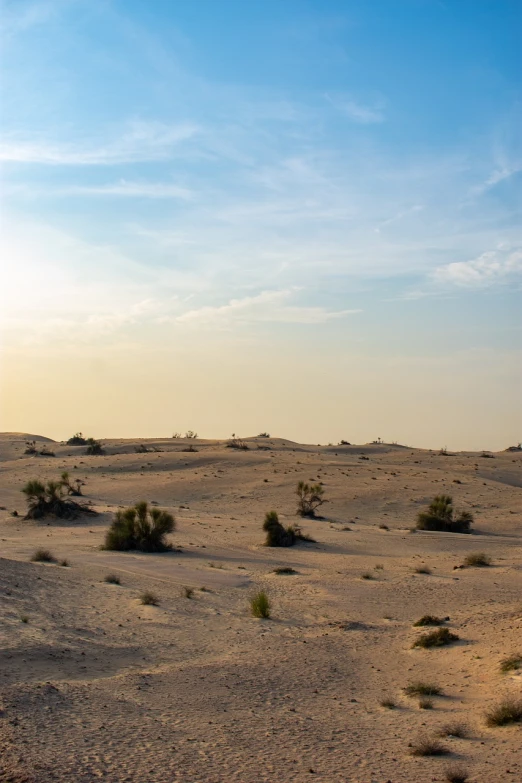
x=95, y=686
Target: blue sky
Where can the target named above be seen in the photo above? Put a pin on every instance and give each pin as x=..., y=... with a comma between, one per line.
x=238, y=177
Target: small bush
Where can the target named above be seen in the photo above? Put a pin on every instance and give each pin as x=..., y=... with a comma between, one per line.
x=441, y=516
x=77, y=440
x=30, y=447
x=72, y=489
x=112, y=579
x=24, y=618
x=237, y=443
x=141, y=528
x=64, y=563
x=506, y=712
x=47, y=499
x=191, y=435
x=278, y=535
x=43, y=556
x=94, y=447
x=149, y=599
x=425, y=703
x=438, y=638
x=511, y=664
x=428, y=619
x=388, y=704
x=426, y=746
x=188, y=592
x=456, y=774
x=423, y=570
x=284, y=570
x=367, y=575
x=260, y=605
x=422, y=689
x=310, y=497
x=383, y=527
x=459, y=730
x=477, y=560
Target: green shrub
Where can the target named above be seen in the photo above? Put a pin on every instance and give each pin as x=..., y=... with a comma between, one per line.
x=310, y=497
x=72, y=489
x=149, y=599
x=438, y=638
x=441, y=516
x=42, y=556
x=477, y=560
x=47, y=499
x=506, y=712
x=77, y=440
x=422, y=689
x=278, y=535
x=511, y=664
x=141, y=528
x=260, y=605
x=428, y=619
x=94, y=447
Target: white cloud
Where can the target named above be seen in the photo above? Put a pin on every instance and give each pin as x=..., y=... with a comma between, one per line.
x=122, y=188
x=355, y=111
x=267, y=306
x=489, y=268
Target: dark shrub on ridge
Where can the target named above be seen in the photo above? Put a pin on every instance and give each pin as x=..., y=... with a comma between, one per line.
x=278, y=535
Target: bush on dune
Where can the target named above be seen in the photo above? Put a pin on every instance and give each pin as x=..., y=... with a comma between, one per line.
x=139, y=527
x=47, y=499
x=310, y=498
x=278, y=535
x=441, y=516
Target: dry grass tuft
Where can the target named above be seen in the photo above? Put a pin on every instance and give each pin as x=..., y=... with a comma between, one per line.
x=426, y=746
x=439, y=638
x=507, y=711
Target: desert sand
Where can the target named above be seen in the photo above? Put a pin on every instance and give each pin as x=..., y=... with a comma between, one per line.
x=96, y=686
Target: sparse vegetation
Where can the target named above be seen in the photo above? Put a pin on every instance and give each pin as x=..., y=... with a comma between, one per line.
x=47, y=499
x=367, y=575
x=427, y=746
x=508, y=711
x=459, y=730
x=149, y=599
x=32, y=450
x=260, y=605
x=422, y=689
x=456, y=774
x=237, y=443
x=511, y=664
x=140, y=527
x=382, y=526
x=441, y=516
x=423, y=570
x=24, y=618
x=263, y=435
x=439, y=638
x=388, y=703
x=284, y=570
x=428, y=619
x=425, y=703
x=188, y=592
x=42, y=556
x=94, y=447
x=64, y=563
x=71, y=488
x=278, y=535
x=112, y=579
x=310, y=497
x=191, y=435
x=77, y=440
x=477, y=560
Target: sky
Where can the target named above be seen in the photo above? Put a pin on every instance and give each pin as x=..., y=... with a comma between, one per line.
x=300, y=217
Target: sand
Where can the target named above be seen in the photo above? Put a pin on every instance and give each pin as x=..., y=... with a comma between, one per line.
x=96, y=686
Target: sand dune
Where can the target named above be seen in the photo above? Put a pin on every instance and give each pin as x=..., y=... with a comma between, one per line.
x=94, y=685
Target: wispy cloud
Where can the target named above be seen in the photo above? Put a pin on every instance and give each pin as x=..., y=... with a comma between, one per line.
x=356, y=111
x=487, y=269
x=123, y=188
x=267, y=306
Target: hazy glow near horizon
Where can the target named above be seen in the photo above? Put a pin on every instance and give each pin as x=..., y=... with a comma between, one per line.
x=300, y=217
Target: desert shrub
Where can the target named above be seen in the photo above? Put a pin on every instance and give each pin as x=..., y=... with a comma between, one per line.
x=43, y=499
x=310, y=497
x=441, y=516
x=438, y=638
x=188, y=592
x=343, y=442
x=64, y=563
x=423, y=570
x=112, y=579
x=237, y=443
x=426, y=746
x=278, y=535
x=71, y=488
x=149, y=599
x=140, y=527
x=191, y=435
x=459, y=730
x=456, y=774
x=382, y=526
x=422, y=689
x=477, y=560
x=190, y=449
x=77, y=440
x=94, y=447
x=428, y=619
x=30, y=447
x=42, y=556
x=24, y=618
x=425, y=703
x=260, y=605
x=511, y=664
x=507, y=711
x=367, y=575
x=264, y=435
x=388, y=703
x=284, y=570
